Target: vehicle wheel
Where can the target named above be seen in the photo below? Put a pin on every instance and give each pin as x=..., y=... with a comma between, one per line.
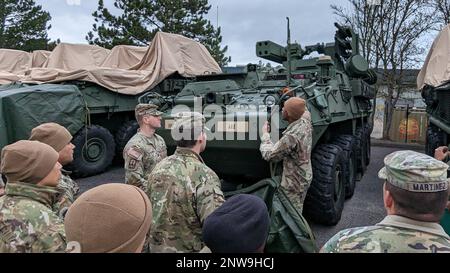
x=325, y=199
x=361, y=150
x=435, y=138
x=95, y=155
x=368, y=144
x=123, y=135
x=348, y=144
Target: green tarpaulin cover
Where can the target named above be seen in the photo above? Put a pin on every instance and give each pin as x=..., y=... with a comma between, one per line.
x=289, y=231
x=24, y=107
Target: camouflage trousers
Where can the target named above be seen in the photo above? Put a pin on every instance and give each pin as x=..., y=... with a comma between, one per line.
x=296, y=192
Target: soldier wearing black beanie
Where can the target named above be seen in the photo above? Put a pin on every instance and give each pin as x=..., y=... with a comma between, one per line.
x=240, y=225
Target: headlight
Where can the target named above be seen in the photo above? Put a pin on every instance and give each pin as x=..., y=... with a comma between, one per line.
x=270, y=100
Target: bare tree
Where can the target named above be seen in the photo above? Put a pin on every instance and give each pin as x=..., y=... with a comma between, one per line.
x=442, y=11
x=390, y=31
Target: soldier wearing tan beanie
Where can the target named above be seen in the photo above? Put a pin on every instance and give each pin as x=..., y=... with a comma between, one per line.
x=52, y=134
x=27, y=161
x=110, y=218
x=293, y=109
x=59, y=138
x=294, y=149
x=27, y=221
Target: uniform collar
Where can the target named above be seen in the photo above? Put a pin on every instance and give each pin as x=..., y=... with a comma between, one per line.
x=149, y=139
x=42, y=194
x=140, y=133
x=293, y=124
x=188, y=152
x=404, y=222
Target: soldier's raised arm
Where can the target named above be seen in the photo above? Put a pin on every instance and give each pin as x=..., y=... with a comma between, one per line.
x=278, y=151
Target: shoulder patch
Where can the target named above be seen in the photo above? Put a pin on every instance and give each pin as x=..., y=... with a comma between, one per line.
x=134, y=153
x=132, y=164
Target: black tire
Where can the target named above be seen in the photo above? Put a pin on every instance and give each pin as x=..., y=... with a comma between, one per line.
x=325, y=199
x=361, y=150
x=435, y=138
x=94, y=157
x=348, y=144
x=367, y=131
x=123, y=135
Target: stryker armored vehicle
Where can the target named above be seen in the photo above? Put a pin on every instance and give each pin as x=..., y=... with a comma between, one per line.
x=337, y=88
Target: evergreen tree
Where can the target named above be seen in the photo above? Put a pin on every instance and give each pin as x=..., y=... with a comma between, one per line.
x=23, y=25
x=51, y=45
x=141, y=19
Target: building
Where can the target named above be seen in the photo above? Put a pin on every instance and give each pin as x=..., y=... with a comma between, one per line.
x=409, y=119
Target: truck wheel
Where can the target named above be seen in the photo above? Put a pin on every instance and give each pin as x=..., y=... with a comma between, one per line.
x=123, y=135
x=348, y=144
x=434, y=139
x=368, y=143
x=325, y=199
x=95, y=155
x=361, y=150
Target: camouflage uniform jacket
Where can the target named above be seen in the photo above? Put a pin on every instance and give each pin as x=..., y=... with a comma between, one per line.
x=395, y=234
x=141, y=154
x=68, y=190
x=183, y=191
x=294, y=149
x=27, y=222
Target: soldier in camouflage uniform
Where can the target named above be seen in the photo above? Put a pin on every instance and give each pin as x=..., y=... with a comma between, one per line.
x=145, y=149
x=27, y=221
x=183, y=190
x=294, y=149
x=58, y=137
x=111, y=218
x=415, y=194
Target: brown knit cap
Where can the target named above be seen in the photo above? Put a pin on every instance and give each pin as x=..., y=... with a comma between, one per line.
x=27, y=161
x=109, y=218
x=295, y=107
x=52, y=134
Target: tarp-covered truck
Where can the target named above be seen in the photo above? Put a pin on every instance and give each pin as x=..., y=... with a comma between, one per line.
x=434, y=83
x=93, y=91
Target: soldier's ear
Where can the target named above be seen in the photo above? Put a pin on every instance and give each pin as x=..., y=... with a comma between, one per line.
x=146, y=119
x=387, y=198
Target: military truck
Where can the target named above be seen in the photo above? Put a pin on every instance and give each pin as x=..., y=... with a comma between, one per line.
x=337, y=87
x=434, y=83
x=100, y=121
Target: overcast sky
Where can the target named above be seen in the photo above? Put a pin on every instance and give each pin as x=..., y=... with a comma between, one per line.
x=243, y=22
